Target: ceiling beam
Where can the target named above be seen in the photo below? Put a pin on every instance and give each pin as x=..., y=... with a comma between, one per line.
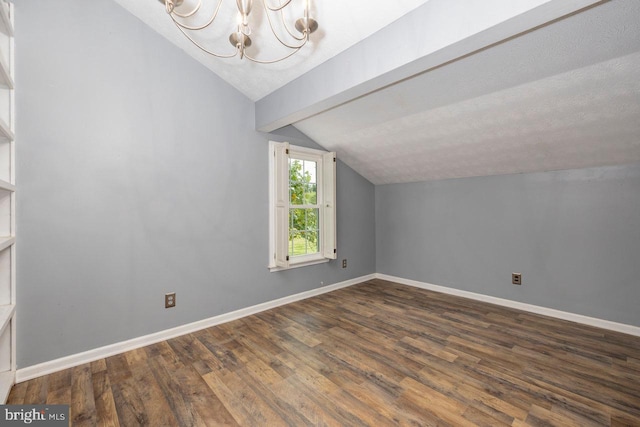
x=432, y=35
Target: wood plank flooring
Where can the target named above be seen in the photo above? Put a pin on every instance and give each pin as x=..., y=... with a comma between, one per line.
x=377, y=354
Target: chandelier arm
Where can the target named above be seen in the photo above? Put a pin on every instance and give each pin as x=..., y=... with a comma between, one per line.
x=259, y=61
x=205, y=50
x=188, y=14
x=275, y=34
x=267, y=8
x=275, y=9
x=189, y=27
x=284, y=23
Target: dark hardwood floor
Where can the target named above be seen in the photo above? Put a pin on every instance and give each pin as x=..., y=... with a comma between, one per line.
x=374, y=354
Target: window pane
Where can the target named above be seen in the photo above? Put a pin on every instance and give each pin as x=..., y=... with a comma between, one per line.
x=303, y=231
x=296, y=190
x=304, y=243
x=311, y=219
x=310, y=171
x=311, y=196
x=302, y=182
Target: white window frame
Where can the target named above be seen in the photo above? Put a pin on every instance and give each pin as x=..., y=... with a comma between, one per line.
x=279, y=154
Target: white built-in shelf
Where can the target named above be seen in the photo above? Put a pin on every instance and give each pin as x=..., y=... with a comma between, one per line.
x=5, y=74
x=5, y=130
x=4, y=185
x=6, y=313
x=5, y=19
x=7, y=379
x=6, y=242
x=7, y=206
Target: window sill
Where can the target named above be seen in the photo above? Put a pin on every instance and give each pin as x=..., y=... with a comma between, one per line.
x=299, y=264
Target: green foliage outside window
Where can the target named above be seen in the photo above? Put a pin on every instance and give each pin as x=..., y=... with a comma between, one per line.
x=303, y=222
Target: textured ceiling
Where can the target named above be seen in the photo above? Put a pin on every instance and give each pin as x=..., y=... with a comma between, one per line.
x=564, y=96
x=341, y=25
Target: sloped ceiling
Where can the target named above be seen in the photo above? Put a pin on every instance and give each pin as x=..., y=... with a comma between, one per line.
x=556, y=94
x=564, y=96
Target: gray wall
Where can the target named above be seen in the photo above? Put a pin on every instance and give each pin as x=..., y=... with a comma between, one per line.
x=139, y=173
x=574, y=235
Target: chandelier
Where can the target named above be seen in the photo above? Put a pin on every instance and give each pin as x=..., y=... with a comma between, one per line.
x=240, y=37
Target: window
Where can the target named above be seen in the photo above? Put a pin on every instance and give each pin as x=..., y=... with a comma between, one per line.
x=302, y=211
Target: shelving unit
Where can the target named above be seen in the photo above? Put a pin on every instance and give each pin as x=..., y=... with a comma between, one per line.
x=6, y=17
x=7, y=186
x=7, y=204
x=5, y=130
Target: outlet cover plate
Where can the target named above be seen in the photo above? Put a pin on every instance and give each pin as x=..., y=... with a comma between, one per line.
x=516, y=278
x=170, y=300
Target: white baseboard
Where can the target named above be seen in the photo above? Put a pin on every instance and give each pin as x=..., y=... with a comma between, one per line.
x=70, y=361
x=578, y=318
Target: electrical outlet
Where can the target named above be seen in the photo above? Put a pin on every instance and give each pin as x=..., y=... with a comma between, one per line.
x=170, y=300
x=516, y=278
x=344, y=263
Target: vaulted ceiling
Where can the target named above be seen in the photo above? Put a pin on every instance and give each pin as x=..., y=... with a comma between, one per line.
x=341, y=25
x=454, y=88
